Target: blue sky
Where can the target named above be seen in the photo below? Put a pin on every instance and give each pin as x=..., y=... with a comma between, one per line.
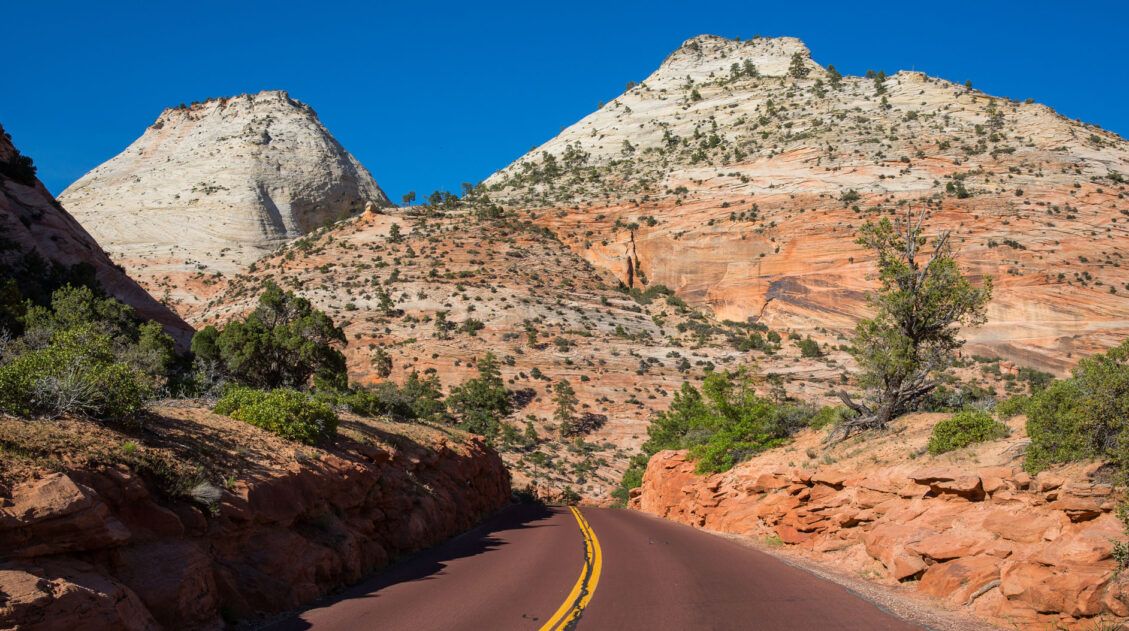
x=431, y=94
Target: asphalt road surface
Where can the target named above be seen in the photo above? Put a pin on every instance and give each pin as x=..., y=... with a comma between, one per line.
x=545, y=569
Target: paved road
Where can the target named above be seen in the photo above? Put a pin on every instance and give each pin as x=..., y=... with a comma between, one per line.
x=533, y=568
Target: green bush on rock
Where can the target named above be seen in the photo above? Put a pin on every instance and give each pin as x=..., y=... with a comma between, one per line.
x=964, y=429
x=76, y=373
x=722, y=424
x=1085, y=416
x=289, y=413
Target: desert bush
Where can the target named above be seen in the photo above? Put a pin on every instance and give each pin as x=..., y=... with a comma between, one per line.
x=1012, y=406
x=289, y=413
x=142, y=345
x=809, y=348
x=964, y=429
x=723, y=424
x=1085, y=416
x=77, y=373
x=417, y=399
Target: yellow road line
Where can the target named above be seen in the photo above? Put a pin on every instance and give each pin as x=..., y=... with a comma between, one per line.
x=569, y=611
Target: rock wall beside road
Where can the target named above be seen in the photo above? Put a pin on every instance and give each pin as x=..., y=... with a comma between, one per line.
x=101, y=548
x=969, y=528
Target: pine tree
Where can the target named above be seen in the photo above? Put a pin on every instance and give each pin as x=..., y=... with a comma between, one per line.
x=798, y=68
x=565, y=399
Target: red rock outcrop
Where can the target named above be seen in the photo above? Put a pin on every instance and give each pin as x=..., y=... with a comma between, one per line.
x=102, y=547
x=969, y=528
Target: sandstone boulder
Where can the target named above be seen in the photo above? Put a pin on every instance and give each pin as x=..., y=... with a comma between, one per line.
x=51, y=595
x=53, y=515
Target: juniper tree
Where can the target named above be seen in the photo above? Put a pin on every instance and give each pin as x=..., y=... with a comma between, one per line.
x=797, y=68
x=920, y=306
x=282, y=343
x=565, y=399
x=835, y=78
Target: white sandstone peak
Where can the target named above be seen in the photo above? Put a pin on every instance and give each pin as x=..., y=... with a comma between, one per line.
x=217, y=184
x=707, y=57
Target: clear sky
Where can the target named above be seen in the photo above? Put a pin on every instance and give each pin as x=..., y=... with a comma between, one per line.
x=431, y=94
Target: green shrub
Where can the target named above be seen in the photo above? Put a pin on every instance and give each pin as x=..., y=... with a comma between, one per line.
x=289, y=413
x=827, y=415
x=725, y=423
x=1012, y=406
x=1085, y=416
x=810, y=348
x=417, y=399
x=964, y=429
x=76, y=373
x=1058, y=427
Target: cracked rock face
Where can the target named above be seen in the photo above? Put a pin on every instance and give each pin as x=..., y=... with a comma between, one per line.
x=213, y=186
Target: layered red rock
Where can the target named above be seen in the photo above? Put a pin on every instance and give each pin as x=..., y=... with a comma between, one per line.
x=968, y=527
x=106, y=547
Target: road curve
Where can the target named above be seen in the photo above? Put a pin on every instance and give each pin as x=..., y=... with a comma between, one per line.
x=530, y=568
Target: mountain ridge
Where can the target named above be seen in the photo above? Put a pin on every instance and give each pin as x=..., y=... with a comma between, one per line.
x=706, y=181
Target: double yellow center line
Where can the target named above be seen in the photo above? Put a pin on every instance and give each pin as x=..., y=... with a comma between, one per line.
x=569, y=611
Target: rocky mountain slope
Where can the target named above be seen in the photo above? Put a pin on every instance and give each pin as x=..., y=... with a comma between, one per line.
x=508, y=287
x=33, y=223
x=209, y=188
x=737, y=173
x=504, y=285
x=969, y=528
x=199, y=521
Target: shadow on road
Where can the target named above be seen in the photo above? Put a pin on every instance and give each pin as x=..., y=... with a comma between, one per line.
x=428, y=563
